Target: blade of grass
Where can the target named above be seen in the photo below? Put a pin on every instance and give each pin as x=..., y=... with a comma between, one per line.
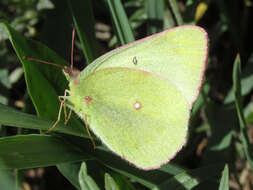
x=248, y=148
x=122, y=182
x=86, y=181
x=246, y=82
x=7, y=180
x=190, y=179
x=120, y=20
x=14, y=118
x=70, y=171
x=110, y=184
x=224, y=183
x=169, y=21
x=176, y=12
x=84, y=24
x=137, y=18
x=30, y=151
x=248, y=112
x=155, y=14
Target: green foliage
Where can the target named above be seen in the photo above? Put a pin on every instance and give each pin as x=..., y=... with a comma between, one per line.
x=86, y=182
x=221, y=118
x=238, y=102
x=224, y=182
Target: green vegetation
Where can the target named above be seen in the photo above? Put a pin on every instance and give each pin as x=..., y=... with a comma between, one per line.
x=219, y=149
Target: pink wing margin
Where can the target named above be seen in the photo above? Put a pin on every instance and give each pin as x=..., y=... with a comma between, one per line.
x=198, y=89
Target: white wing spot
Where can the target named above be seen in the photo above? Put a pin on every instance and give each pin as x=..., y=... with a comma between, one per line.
x=137, y=105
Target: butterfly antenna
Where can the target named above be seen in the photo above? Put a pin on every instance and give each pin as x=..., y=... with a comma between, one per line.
x=42, y=61
x=68, y=70
x=72, y=48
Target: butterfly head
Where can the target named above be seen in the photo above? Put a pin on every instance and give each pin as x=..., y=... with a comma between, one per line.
x=71, y=73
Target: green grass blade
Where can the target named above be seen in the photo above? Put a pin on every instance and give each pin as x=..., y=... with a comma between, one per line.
x=155, y=14
x=70, y=171
x=30, y=151
x=248, y=148
x=84, y=24
x=224, y=183
x=176, y=12
x=4, y=85
x=121, y=181
x=248, y=112
x=172, y=169
x=190, y=179
x=120, y=20
x=86, y=181
x=169, y=22
x=246, y=82
x=14, y=118
x=110, y=184
x=7, y=180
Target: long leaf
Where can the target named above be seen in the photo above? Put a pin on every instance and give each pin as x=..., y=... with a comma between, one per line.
x=70, y=171
x=224, y=183
x=14, y=118
x=248, y=148
x=30, y=151
x=246, y=82
x=7, y=180
x=155, y=14
x=110, y=184
x=122, y=182
x=176, y=12
x=190, y=179
x=86, y=181
x=120, y=21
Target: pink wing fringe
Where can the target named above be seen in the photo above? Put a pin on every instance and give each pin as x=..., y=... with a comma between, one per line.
x=198, y=89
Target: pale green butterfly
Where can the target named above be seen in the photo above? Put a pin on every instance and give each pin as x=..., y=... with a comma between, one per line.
x=137, y=98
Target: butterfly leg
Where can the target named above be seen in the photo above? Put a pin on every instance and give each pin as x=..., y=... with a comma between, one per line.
x=88, y=131
x=62, y=105
x=67, y=116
